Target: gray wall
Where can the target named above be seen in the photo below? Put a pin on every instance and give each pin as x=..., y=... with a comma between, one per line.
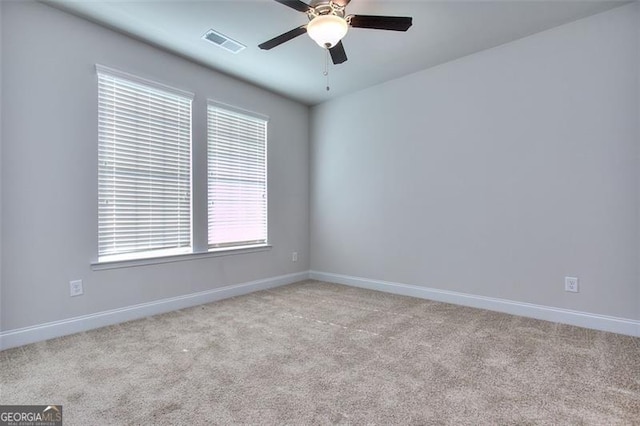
x=495, y=175
x=49, y=170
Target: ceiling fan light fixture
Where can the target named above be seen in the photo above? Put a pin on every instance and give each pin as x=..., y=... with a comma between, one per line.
x=327, y=30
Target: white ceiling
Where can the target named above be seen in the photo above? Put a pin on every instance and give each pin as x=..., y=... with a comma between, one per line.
x=441, y=31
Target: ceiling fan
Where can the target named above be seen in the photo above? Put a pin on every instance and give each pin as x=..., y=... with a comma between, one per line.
x=328, y=25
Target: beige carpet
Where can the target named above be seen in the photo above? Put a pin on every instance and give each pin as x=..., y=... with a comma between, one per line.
x=317, y=353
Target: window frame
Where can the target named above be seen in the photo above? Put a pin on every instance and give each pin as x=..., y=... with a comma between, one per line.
x=198, y=209
x=156, y=253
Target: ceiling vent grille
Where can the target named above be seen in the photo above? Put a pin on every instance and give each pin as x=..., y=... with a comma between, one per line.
x=223, y=41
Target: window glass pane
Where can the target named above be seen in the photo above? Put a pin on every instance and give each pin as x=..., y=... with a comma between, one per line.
x=144, y=171
x=237, y=183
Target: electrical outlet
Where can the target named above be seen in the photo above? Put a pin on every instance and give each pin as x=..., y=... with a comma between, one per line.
x=571, y=284
x=75, y=288
x=294, y=256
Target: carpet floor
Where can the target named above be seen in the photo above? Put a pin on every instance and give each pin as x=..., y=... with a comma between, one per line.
x=319, y=353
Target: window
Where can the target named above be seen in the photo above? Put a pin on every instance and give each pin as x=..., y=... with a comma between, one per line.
x=237, y=183
x=145, y=203
x=144, y=174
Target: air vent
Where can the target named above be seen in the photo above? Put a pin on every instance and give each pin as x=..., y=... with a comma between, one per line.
x=223, y=41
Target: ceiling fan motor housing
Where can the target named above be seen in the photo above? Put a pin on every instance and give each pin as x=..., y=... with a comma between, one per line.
x=325, y=8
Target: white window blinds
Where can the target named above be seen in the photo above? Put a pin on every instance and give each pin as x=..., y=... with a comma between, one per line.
x=237, y=183
x=144, y=175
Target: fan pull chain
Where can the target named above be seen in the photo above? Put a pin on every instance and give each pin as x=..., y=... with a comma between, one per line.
x=326, y=68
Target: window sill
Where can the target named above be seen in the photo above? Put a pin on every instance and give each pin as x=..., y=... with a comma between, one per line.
x=117, y=264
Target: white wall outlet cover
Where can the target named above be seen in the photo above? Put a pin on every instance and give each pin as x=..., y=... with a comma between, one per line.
x=571, y=284
x=75, y=288
x=294, y=256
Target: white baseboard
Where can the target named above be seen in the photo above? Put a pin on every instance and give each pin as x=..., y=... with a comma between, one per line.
x=37, y=333
x=565, y=316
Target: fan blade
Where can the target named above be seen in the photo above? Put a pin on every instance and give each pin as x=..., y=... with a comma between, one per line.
x=393, y=23
x=295, y=4
x=338, y=55
x=277, y=41
x=341, y=2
